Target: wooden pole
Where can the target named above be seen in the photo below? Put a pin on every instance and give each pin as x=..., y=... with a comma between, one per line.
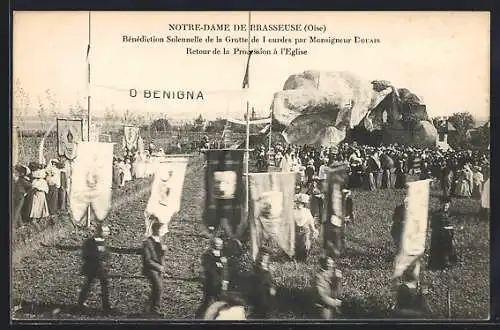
x=247, y=144
x=270, y=132
x=88, y=106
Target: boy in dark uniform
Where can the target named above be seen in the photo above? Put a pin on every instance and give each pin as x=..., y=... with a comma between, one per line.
x=153, y=266
x=215, y=277
x=442, y=254
x=95, y=256
x=348, y=206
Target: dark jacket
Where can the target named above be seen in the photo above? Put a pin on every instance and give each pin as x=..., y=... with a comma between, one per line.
x=398, y=220
x=261, y=285
x=94, y=255
x=152, y=256
x=214, y=273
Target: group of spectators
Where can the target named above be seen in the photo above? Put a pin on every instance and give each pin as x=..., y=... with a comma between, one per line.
x=460, y=173
x=39, y=191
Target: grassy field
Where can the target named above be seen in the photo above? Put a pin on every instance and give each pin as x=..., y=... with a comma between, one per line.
x=49, y=278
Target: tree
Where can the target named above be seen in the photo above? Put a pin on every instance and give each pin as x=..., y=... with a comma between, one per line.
x=199, y=124
x=161, y=125
x=129, y=117
x=21, y=103
x=216, y=125
x=463, y=122
x=77, y=110
x=42, y=113
x=52, y=103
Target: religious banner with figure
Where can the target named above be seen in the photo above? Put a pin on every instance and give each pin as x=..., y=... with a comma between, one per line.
x=130, y=137
x=91, y=179
x=334, y=224
x=414, y=232
x=166, y=192
x=69, y=133
x=225, y=191
x=271, y=211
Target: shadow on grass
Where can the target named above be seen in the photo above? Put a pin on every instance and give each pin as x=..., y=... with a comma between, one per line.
x=46, y=309
x=365, y=308
x=166, y=277
x=300, y=302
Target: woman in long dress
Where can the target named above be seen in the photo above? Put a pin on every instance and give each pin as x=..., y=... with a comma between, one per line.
x=127, y=171
x=462, y=188
x=63, y=188
x=305, y=229
x=477, y=180
x=39, y=207
x=53, y=179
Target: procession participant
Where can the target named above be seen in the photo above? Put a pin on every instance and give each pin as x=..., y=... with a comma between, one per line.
x=485, y=201
x=323, y=169
x=153, y=253
x=305, y=229
x=316, y=198
x=387, y=166
x=442, y=254
x=446, y=179
x=63, y=188
x=477, y=180
x=53, y=179
x=215, y=277
x=116, y=173
x=127, y=171
x=356, y=166
x=95, y=256
x=373, y=169
x=230, y=307
x=328, y=287
x=425, y=170
x=462, y=184
x=39, y=208
x=398, y=221
x=20, y=189
x=121, y=166
x=262, y=287
x=348, y=206
x=310, y=171
x=401, y=172
x=409, y=298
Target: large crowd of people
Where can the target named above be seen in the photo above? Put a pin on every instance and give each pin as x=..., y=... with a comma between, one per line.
x=460, y=173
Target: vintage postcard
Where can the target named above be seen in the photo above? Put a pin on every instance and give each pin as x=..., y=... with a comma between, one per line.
x=250, y=165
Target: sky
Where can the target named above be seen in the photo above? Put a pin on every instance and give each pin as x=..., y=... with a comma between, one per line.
x=441, y=56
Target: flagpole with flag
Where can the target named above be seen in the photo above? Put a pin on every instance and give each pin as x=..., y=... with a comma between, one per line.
x=88, y=102
x=246, y=86
x=88, y=79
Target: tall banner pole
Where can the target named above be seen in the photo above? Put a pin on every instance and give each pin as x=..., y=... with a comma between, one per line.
x=270, y=132
x=88, y=105
x=247, y=144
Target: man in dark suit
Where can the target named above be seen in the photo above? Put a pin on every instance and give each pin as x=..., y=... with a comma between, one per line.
x=95, y=255
x=398, y=222
x=215, y=272
x=153, y=266
x=328, y=287
x=20, y=189
x=442, y=252
x=262, y=287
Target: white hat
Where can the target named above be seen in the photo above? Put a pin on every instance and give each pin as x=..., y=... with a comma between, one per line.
x=302, y=198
